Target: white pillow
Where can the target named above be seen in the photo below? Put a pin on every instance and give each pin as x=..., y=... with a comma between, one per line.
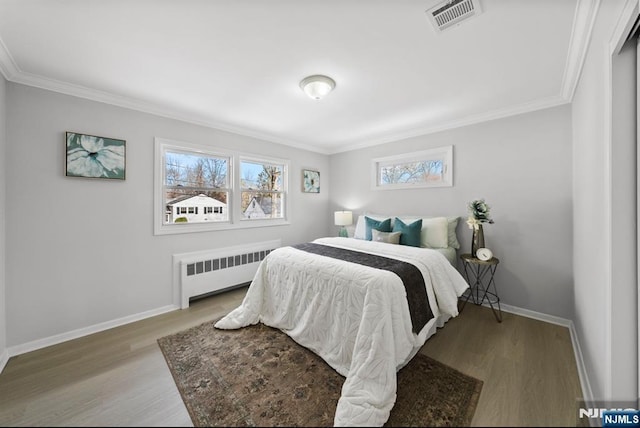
x=434, y=233
x=453, y=237
x=388, y=237
x=361, y=225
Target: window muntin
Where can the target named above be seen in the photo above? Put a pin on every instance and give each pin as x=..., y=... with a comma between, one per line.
x=192, y=182
x=164, y=217
x=262, y=185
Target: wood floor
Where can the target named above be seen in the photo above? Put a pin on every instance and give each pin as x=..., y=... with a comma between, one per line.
x=119, y=377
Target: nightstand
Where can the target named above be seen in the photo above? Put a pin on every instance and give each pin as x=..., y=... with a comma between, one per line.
x=480, y=275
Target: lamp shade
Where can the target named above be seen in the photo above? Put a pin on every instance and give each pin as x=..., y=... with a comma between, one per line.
x=317, y=86
x=343, y=218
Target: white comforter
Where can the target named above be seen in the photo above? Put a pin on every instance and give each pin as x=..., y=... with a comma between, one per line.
x=355, y=317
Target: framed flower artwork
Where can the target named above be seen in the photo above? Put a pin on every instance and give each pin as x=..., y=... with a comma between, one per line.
x=310, y=181
x=91, y=156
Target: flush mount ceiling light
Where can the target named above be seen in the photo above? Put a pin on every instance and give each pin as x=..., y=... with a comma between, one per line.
x=317, y=86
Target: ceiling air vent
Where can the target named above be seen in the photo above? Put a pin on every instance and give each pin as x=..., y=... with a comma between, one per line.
x=448, y=13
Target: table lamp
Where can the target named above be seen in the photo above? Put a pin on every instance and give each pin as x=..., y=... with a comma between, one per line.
x=342, y=219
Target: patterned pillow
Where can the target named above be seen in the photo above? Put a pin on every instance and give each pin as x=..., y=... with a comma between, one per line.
x=388, y=237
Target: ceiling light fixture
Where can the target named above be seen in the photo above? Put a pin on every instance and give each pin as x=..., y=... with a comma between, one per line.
x=317, y=86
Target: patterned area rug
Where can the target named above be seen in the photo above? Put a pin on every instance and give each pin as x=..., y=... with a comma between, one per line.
x=258, y=376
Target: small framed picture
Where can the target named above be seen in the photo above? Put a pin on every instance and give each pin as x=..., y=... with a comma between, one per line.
x=91, y=156
x=310, y=181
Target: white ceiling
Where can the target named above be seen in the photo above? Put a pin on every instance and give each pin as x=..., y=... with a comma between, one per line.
x=236, y=64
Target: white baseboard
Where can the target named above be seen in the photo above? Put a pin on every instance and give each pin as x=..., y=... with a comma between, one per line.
x=74, y=334
x=585, y=385
x=54, y=340
x=4, y=358
x=535, y=315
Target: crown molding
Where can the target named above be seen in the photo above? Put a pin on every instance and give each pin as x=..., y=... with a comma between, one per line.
x=527, y=107
x=583, y=23
x=8, y=66
x=149, y=107
x=584, y=20
x=624, y=26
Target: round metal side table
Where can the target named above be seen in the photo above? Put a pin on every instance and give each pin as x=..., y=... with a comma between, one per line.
x=482, y=286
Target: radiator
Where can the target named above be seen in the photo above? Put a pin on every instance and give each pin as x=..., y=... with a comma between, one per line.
x=204, y=272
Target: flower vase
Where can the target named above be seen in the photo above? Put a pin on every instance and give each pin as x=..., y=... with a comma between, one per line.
x=478, y=240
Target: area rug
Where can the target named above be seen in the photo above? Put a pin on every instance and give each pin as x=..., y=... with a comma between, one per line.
x=258, y=376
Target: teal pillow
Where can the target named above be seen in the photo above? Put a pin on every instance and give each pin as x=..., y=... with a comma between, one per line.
x=410, y=232
x=379, y=225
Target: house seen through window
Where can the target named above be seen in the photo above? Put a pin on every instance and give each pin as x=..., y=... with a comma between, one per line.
x=196, y=187
x=262, y=189
x=199, y=188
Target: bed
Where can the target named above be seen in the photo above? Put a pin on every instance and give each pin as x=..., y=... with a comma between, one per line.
x=358, y=318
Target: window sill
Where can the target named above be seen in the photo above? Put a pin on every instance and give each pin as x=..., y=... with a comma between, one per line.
x=174, y=229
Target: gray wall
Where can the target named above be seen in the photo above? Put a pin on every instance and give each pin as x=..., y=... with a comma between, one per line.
x=521, y=165
x=593, y=207
x=83, y=250
x=624, y=244
x=3, y=300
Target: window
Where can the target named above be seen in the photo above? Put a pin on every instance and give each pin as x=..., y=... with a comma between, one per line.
x=428, y=168
x=201, y=188
x=193, y=180
x=262, y=189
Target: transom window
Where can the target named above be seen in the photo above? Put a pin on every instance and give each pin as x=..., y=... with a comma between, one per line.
x=428, y=168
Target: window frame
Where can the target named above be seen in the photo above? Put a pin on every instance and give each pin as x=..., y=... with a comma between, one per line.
x=441, y=153
x=235, y=220
x=285, y=183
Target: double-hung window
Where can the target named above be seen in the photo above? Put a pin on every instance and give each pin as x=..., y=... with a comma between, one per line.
x=192, y=182
x=202, y=188
x=262, y=184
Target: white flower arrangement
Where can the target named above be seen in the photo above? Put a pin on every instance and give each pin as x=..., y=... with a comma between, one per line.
x=473, y=223
x=478, y=213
